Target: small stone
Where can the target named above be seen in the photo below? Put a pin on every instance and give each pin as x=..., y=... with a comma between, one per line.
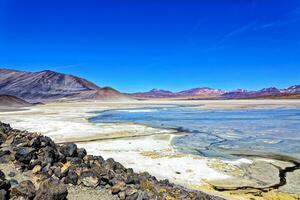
x=69, y=150
x=33, y=163
x=110, y=164
x=35, y=142
x=133, y=196
x=2, y=175
x=76, y=161
x=71, y=178
x=51, y=155
x=142, y=196
x=89, y=178
x=132, y=179
x=117, y=187
x=36, y=169
x=130, y=191
x=51, y=189
x=46, y=169
x=24, y=154
x=46, y=141
x=122, y=195
x=11, y=174
x=5, y=184
x=57, y=172
x=25, y=189
x=81, y=152
x=13, y=182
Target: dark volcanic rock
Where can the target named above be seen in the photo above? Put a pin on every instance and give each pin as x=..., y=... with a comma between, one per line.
x=4, y=152
x=50, y=155
x=5, y=128
x=81, y=152
x=69, y=150
x=11, y=174
x=2, y=175
x=71, y=178
x=24, y=154
x=13, y=182
x=4, y=184
x=51, y=189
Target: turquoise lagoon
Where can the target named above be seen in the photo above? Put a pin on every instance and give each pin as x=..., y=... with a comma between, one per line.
x=220, y=133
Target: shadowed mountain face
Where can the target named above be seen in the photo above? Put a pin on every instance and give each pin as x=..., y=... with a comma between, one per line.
x=48, y=86
x=208, y=93
x=11, y=101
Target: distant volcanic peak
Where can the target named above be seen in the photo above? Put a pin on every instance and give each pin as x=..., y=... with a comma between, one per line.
x=202, y=91
x=156, y=90
x=154, y=93
x=270, y=89
x=239, y=90
x=293, y=89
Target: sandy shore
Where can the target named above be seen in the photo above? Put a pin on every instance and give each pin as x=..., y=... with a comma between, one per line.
x=149, y=149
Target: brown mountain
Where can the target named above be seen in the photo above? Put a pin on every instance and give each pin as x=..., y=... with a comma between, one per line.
x=103, y=94
x=11, y=101
x=49, y=86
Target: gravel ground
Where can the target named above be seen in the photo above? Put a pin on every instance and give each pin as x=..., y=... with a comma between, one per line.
x=81, y=193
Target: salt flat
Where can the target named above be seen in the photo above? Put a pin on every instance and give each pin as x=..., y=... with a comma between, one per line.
x=141, y=147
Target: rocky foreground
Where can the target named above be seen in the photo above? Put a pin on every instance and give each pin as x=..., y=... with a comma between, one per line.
x=54, y=169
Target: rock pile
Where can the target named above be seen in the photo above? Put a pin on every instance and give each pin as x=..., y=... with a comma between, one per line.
x=53, y=166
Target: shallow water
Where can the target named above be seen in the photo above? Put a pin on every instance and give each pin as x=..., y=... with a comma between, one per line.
x=220, y=133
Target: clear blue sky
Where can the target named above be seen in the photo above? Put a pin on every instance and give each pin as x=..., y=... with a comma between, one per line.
x=137, y=45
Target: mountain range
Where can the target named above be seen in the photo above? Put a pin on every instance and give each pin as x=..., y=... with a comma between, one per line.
x=45, y=86
x=21, y=88
x=209, y=93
